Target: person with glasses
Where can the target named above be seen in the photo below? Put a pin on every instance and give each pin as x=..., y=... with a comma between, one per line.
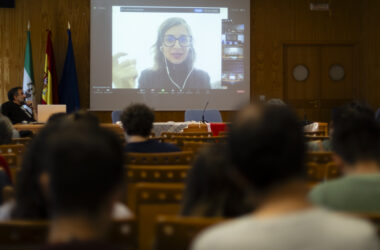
x=174, y=58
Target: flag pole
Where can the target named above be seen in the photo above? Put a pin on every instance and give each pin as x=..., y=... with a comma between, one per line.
x=28, y=25
x=68, y=26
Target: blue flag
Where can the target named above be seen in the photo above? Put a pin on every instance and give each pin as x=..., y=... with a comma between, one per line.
x=68, y=87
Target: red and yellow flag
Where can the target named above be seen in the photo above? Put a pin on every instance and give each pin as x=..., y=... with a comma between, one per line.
x=50, y=89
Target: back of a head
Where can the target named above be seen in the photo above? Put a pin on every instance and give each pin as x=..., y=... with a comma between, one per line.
x=137, y=119
x=209, y=189
x=6, y=130
x=57, y=118
x=85, y=165
x=351, y=111
x=84, y=116
x=357, y=139
x=268, y=149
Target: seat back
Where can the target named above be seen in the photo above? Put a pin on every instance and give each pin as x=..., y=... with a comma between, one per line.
x=32, y=235
x=174, y=158
x=174, y=232
x=151, y=200
x=115, y=115
x=26, y=235
x=321, y=166
x=181, y=140
x=152, y=174
x=211, y=115
x=14, y=165
x=189, y=134
x=17, y=149
x=23, y=141
x=193, y=146
x=196, y=128
x=316, y=138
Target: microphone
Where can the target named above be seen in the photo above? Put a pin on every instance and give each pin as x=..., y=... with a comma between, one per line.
x=203, y=113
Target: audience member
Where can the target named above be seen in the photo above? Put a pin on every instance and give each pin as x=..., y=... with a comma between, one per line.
x=82, y=115
x=268, y=153
x=5, y=178
x=14, y=109
x=57, y=117
x=355, y=108
x=210, y=192
x=356, y=144
x=32, y=201
x=86, y=171
x=6, y=130
x=137, y=120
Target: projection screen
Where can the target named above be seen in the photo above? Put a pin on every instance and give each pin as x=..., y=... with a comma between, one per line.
x=170, y=55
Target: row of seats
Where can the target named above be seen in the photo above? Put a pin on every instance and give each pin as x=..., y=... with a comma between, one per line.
x=320, y=164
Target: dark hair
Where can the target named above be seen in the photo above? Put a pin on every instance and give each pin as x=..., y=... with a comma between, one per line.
x=6, y=130
x=209, y=189
x=357, y=140
x=83, y=115
x=86, y=166
x=269, y=149
x=12, y=92
x=350, y=111
x=159, y=61
x=57, y=117
x=137, y=119
x=31, y=202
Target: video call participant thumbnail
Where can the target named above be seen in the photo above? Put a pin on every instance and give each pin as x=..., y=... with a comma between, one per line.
x=174, y=58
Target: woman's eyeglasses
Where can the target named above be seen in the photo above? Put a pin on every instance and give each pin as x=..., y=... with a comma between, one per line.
x=170, y=40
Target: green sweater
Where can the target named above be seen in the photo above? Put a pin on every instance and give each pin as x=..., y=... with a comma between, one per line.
x=354, y=193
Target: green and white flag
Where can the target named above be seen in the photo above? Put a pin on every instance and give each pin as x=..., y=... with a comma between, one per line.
x=28, y=81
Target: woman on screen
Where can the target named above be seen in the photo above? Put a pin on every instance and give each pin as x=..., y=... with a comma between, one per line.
x=174, y=58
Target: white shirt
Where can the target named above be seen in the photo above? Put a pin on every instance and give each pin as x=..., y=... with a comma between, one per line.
x=313, y=229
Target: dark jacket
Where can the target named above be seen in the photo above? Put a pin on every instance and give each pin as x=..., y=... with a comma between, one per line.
x=15, y=113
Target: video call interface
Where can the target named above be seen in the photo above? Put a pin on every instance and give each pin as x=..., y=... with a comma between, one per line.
x=170, y=57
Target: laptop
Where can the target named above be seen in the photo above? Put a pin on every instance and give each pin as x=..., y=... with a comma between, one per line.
x=45, y=111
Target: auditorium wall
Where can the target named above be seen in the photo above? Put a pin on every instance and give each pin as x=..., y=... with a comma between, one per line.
x=273, y=24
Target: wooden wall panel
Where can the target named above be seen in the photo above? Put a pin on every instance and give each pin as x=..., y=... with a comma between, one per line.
x=44, y=14
x=273, y=23
x=369, y=85
x=290, y=21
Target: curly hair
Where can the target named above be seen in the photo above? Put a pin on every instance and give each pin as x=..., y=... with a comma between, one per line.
x=137, y=119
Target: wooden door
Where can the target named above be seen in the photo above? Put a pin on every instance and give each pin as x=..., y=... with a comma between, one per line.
x=336, y=89
x=329, y=82
x=303, y=95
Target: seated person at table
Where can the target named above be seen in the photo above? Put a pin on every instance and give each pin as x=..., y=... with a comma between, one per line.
x=14, y=109
x=210, y=191
x=268, y=153
x=356, y=144
x=137, y=120
x=85, y=173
